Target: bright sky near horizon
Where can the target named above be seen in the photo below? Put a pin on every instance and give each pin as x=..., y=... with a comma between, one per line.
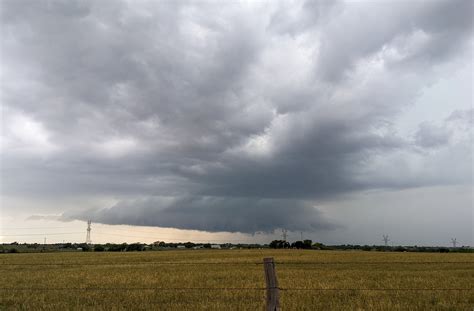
x=195, y=120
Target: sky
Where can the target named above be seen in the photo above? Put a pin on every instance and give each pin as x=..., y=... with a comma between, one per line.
x=206, y=121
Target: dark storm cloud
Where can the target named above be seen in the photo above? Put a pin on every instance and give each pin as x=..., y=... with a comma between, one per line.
x=211, y=214
x=363, y=30
x=238, y=112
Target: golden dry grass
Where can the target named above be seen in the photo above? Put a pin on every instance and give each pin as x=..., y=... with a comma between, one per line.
x=142, y=280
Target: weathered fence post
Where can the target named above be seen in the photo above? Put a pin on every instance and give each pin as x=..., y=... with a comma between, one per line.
x=273, y=292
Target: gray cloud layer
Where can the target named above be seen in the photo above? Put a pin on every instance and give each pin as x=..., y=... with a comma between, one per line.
x=211, y=214
x=246, y=116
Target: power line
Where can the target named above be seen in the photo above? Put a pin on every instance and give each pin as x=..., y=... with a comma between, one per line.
x=88, y=236
x=18, y=228
x=160, y=235
x=140, y=231
x=31, y=234
x=284, y=234
x=454, y=241
x=134, y=231
x=174, y=239
x=152, y=235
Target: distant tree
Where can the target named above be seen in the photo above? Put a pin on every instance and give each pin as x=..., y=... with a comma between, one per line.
x=297, y=244
x=279, y=244
x=67, y=245
x=306, y=244
x=274, y=244
x=134, y=247
x=98, y=248
x=116, y=247
x=189, y=245
x=85, y=247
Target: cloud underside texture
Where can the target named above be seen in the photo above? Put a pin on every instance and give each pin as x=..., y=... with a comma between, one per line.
x=230, y=117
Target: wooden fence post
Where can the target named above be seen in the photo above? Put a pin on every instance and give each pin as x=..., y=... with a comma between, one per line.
x=273, y=292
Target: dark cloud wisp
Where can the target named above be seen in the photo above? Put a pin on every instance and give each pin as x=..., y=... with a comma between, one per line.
x=211, y=214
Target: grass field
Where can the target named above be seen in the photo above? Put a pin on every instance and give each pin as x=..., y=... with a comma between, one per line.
x=233, y=280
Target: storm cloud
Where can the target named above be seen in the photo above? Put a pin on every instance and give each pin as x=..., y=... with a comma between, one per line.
x=239, y=117
x=211, y=214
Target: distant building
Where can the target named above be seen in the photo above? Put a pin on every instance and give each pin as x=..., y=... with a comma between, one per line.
x=215, y=246
x=181, y=247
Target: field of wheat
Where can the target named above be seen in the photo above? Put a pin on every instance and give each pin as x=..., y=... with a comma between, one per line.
x=234, y=280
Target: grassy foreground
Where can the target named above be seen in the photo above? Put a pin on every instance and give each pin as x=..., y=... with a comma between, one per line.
x=232, y=280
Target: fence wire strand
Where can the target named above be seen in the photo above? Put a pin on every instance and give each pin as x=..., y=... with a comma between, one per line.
x=221, y=289
x=234, y=263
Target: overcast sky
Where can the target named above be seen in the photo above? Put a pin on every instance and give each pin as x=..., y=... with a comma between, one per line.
x=344, y=120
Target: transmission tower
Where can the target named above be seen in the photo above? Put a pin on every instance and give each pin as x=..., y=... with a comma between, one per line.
x=385, y=239
x=301, y=235
x=454, y=242
x=88, y=236
x=284, y=233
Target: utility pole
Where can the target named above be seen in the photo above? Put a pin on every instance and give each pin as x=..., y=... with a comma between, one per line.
x=385, y=239
x=88, y=236
x=454, y=242
x=284, y=234
x=301, y=235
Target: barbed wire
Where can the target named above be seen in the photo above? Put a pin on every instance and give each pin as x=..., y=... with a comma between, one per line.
x=376, y=289
x=220, y=289
x=131, y=288
x=373, y=262
x=133, y=263
x=231, y=263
